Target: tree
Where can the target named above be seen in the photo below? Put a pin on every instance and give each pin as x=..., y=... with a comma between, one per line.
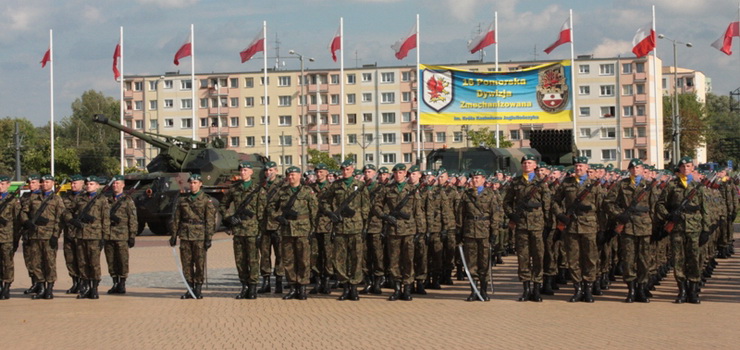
x=484, y=137
x=693, y=122
x=332, y=162
x=723, y=134
x=30, y=138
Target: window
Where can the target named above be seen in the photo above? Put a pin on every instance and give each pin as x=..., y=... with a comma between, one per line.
x=335, y=79
x=284, y=81
x=367, y=77
x=626, y=68
x=186, y=84
x=584, y=69
x=335, y=99
x=389, y=118
x=627, y=111
x=406, y=117
x=513, y=135
x=585, y=132
x=234, y=141
x=608, y=112
x=629, y=153
x=169, y=103
x=441, y=137
x=234, y=83
x=335, y=139
x=388, y=97
x=640, y=110
x=203, y=103
x=369, y=138
x=233, y=122
x=351, y=139
x=642, y=153
x=369, y=158
x=387, y=77
x=153, y=124
x=248, y=82
x=406, y=96
x=609, y=154
x=427, y=137
x=640, y=67
x=262, y=140
x=406, y=137
x=585, y=153
x=168, y=84
x=234, y=102
x=152, y=85
x=627, y=90
x=608, y=133
x=628, y=133
x=262, y=120
x=186, y=103
x=584, y=90
x=138, y=85
x=525, y=134
x=129, y=143
x=584, y=111
x=606, y=90
x=640, y=88
x=284, y=101
x=262, y=81
x=367, y=97
x=285, y=140
x=139, y=124
x=606, y=69
x=204, y=83
x=287, y=160
x=249, y=102
x=352, y=118
x=250, y=141
x=335, y=119
x=665, y=83
x=457, y=136
x=351, y=79
x=641, y=131
x=408, y=157
x=249, y=121
x=350, y=99
x=285, y=120
x=169, y=123
x=138, y=105
x=389, y=158
x=186, y=123
x=405, y=76
x=389, y=138
x=262, y=100
x=367, y=117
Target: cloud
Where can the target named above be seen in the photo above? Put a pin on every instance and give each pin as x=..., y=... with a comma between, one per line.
x=169, y=3
x=20, y=18
x=92, y=14
x=612, y=48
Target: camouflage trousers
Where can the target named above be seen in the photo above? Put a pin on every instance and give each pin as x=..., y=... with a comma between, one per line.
x=246, y=256
x=27, y=258
x=43, y=260
x=7, y=269
x=270, y=244
x=551, y=254
x=724, y=236
x=116, y=255
x=449, y=250
x=401, y=258
x=435, y=252
x=686, y=263
x=374, y=255
x=193, y=259
x=605, y=255
x=70, y=256
x=582, y=256
x=296, y=255
x=635, y=251
x=478, y=257
x=88, y=258
x=348, y=251
x=322, y=259
x=530, y=252
x=421, y=265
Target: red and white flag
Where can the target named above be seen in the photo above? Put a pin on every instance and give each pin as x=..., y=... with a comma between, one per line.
x=483, y=40
x=405, y=44
x=724, y=43
x=46, y=59
x=644, y=40
x=336, y=44
x=185, y=50
x=116, y=56
x=563, y=37
x=257, y=45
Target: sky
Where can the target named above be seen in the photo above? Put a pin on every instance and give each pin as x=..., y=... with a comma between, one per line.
x=86, y=32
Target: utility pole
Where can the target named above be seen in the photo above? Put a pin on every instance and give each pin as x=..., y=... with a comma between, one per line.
x=17, y=137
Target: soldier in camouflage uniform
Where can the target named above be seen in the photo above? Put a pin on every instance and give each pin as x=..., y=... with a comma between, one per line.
x=400, y=206
x=440, y=222
x=448, y=238
x=295, y=208
x=579, y=219
x=34, y=187
x=242, y=208
x=527, y=206
x=43, y=219
x=421, y=266
x=347, y=203
x=124, y=226
x=77, y=183
x=195, y=224
x=730, y=200
x=321, y=244
x=9, y=230
x=270, y=242
x=374, y=247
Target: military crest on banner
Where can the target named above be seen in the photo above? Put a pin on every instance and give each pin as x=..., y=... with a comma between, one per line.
x=552, y=89
x=437, y=89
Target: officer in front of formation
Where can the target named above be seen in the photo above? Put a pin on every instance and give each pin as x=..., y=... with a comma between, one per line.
x=124, y=226
x=10, y=208
x=194, y=223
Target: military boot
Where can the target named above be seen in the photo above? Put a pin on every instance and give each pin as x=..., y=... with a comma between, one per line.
x=535, y=293
x=378, y=285
x=604, y=281
x=641, y=293
x=460, y=273
x=420, y=288
x=472, y=296
x=587, y=292
x=562, y=277
x=114, y=288
x=5, y=295
x=554, y=283
x=243, y=293
x=40, y=291
x=84, y=289
x=187, y=294
x=353, y=295
x=406, y=294
x=49, y=291
x=265, y=288
x=94, y=290
x=345, y=292
x=316, y=286
x=578, y=294
x=646, y=290
x=436, y=282
x=484, y=291
x=681, y=297
x=630, y=292
x=252, y=291
x=693, y=293
x=278, y=284
x=292, y=293
x=526, y=291
x=325, y=288
x=121, y=285
x=547, y=286
x=597, y=287
x=368, y=285
x=447, y=278
x=75, y=286
x=302, y=292
x=198, y=291
x=34, y=288
x=396, y=291
x=499, y=259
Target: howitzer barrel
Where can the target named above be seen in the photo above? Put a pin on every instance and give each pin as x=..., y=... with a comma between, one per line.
x=163, y=145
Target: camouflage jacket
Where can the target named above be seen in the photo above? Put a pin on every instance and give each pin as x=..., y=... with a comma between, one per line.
x=124, y=224
x=249, y=227
x=55, y=212
x=323, y=223
x=477, y=212
x=440, y=214
x=621, y=197
x=374, y=222
x=10, y=229
x=586, y=217
x=195, y=217
x=100, y=211
x=387, y=200
x=305, y=206
x=272, y=189
x=360, y=205
x=70, y=201
x=695, y=218
x=532, y=212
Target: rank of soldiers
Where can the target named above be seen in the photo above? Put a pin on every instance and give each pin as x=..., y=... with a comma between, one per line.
x=362, y=230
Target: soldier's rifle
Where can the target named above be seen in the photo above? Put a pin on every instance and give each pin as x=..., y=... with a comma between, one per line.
x=633, y=207
x=571, y=213
x=242, y=211
x=397, y=212
x=84, y=217
x=36, y=219
x=675, y=215
x=114, y=219
x=526, y=204
x=7, y=202
x=288, y=212
x=344, y=210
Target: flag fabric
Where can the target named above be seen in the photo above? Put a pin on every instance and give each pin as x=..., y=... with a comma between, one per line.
x=336, y=44
x=563, y=37
x=482, y=40
x=257, y=45
x=405, y=44
x=644, y=40
x=116, y=55
x=46, y=59
x=184, y=51
x=724, y=43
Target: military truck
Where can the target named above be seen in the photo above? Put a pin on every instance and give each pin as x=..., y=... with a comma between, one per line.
x=167, y=174
x=488, y=159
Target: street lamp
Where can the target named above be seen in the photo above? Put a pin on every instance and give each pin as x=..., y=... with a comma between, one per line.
x=676, y=120
x=302, y=122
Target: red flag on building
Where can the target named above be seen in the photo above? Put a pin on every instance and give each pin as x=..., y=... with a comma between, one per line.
x=257, y=45
x=184, y=51
x=563, y=37
x=724, y=43
x=336, y=44
x=483, y=40
x=46, y=59
x=116, y=55
x=405, y=44
x=644, y=40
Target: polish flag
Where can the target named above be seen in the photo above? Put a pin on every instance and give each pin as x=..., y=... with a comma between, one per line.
x=184, y=51
x=644, y=40
x=483, y=40
x=257, y=45
x=405, y=44
x=46, y=59
x=724, y=43
x=116, y=56
x=336, y=44
x=563, y=37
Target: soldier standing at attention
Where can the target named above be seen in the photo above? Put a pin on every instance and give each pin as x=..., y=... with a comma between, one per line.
x=440, y=220
x=447, y=235
x=348, y=204
x=123, y=229
x=195, y=224
x=9, y=230
x=477, y=212
x=322, y=258
x=374, y=264
x=270, y=242
x=43, y=219
x=527, y=206
x=248, y=201
x=34, y=187
x=295, y=208
x=575, y=204
x=77, y=182
x=421, y=263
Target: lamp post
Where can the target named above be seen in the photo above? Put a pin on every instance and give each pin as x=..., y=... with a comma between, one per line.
x=676, y=120
x=304, y=102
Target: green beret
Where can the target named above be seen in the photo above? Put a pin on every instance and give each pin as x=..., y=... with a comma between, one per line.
x=597, y=166
x=118, y=178
x=441, y=170
x=76, y=177
x=243, y=165
x=357, y=172
x=47, y=177
x=542, y=165
x=293, y=169
x=684, y=160
x=195, y=177
x=609, y=167
x=580, y=160
x=476, y=172
x=92, y=178
x=382, y=170
x=270, y=164
x=558, y=168
x=399, y=166
x=320, y=166
x=429, y=173
x=4, y=178
x=309, y=173
x=33, y=177
x=414, y=168
x=635, y=162
x=528, y=157
x=347, y=163
x=368, y=166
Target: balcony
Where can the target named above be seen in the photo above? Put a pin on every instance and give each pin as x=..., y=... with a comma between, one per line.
x=215, y=111
x=128, y=113
x=640, y=77
x=221, y=91
x=322, y=109
x=641, y=141
x=640, y=98
x=641, y=120
x=128, y=95
x=313, y=88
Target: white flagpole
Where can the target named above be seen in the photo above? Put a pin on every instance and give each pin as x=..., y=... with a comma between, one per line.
x=192, y=81
x=422, y=163
x=495, y=38
x=51, y=94
x=120, y=60
x=573, y=82
x=264, y=85
x=341, y=87
x=654, y=105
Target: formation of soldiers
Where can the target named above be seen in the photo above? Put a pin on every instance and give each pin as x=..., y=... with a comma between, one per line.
x=362, y=230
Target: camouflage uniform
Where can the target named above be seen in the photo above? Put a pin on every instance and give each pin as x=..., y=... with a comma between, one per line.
x=70, y=245
x=480, y=225
x=440, y=223
x=374, y=261
x=9, y=230
x=551, y=250
x=448, y=240
x=270, y=242
x=194, y=223
x=124, y=226
x=26, y=246
x=730, y=200
x=90, y=241
x=322, y=258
